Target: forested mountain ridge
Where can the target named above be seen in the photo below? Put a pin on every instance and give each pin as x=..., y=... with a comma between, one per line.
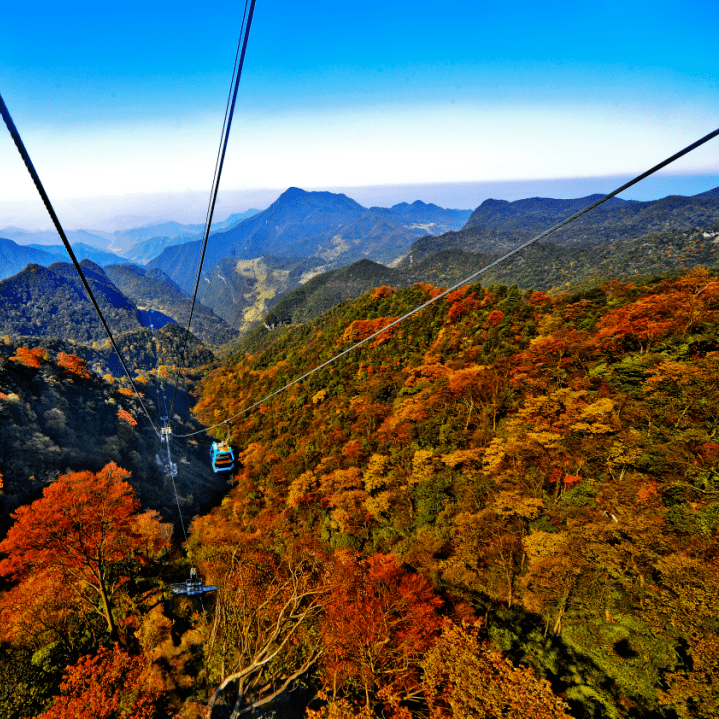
x=498, y=225
x=548, y=462
x=51, y=302
x=544, y=266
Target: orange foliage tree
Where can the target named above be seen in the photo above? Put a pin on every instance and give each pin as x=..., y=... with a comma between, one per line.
x=467, y=678
x=29, y=357
x=73, y=364
x=70, y=539
x=125, y=416
x=110, y=685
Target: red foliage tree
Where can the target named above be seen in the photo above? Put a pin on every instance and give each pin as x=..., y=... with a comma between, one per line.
x=29, y=357
x=125, y=416
x=382, y=292
x=83, y=523
x=379, y=621
x=362, y=329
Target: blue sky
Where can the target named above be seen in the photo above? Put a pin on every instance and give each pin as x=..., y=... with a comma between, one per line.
x=120, y=99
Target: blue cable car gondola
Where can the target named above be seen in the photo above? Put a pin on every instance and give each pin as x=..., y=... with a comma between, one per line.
x=222, y=457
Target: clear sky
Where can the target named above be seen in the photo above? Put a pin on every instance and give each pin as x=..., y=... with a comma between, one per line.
x=116, y=99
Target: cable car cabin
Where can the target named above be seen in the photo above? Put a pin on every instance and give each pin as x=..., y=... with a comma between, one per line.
x=193, y=586
x=222, y=457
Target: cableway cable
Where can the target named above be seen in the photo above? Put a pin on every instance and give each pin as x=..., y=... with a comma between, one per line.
x=224, y=139
x=468, y=279
x=53, y=216
x=165, y=432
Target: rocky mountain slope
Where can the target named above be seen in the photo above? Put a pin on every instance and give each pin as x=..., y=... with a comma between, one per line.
x=300, y=234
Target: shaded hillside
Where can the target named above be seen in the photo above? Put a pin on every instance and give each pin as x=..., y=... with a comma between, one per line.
x=54, y=419
x=14, y=258
x=153, y=289
x=51, y=302
x=549, y=463
x=498, y=226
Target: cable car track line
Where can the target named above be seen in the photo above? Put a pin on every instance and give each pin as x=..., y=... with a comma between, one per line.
x=219, y=163
x=55, y=220
x=468, y=279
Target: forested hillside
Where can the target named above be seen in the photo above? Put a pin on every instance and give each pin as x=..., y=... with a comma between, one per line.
x=505, y=507
x=549, y=463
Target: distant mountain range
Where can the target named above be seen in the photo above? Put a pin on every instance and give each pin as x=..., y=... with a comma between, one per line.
x=15, y=257
x=299, y=257
x=121, y=242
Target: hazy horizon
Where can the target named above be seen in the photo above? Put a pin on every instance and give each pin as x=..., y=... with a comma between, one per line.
x=108, y=214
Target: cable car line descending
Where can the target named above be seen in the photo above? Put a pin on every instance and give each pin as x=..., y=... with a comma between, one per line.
x=466, y=280
x=165, y=433
x=53, y=216
x=219, y=163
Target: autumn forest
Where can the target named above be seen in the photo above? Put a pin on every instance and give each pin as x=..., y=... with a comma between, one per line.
x=505, y=506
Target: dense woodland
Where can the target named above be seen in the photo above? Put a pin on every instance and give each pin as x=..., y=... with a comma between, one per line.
x=507, y=506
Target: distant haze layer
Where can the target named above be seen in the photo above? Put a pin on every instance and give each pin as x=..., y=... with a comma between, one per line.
x=108, y=214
